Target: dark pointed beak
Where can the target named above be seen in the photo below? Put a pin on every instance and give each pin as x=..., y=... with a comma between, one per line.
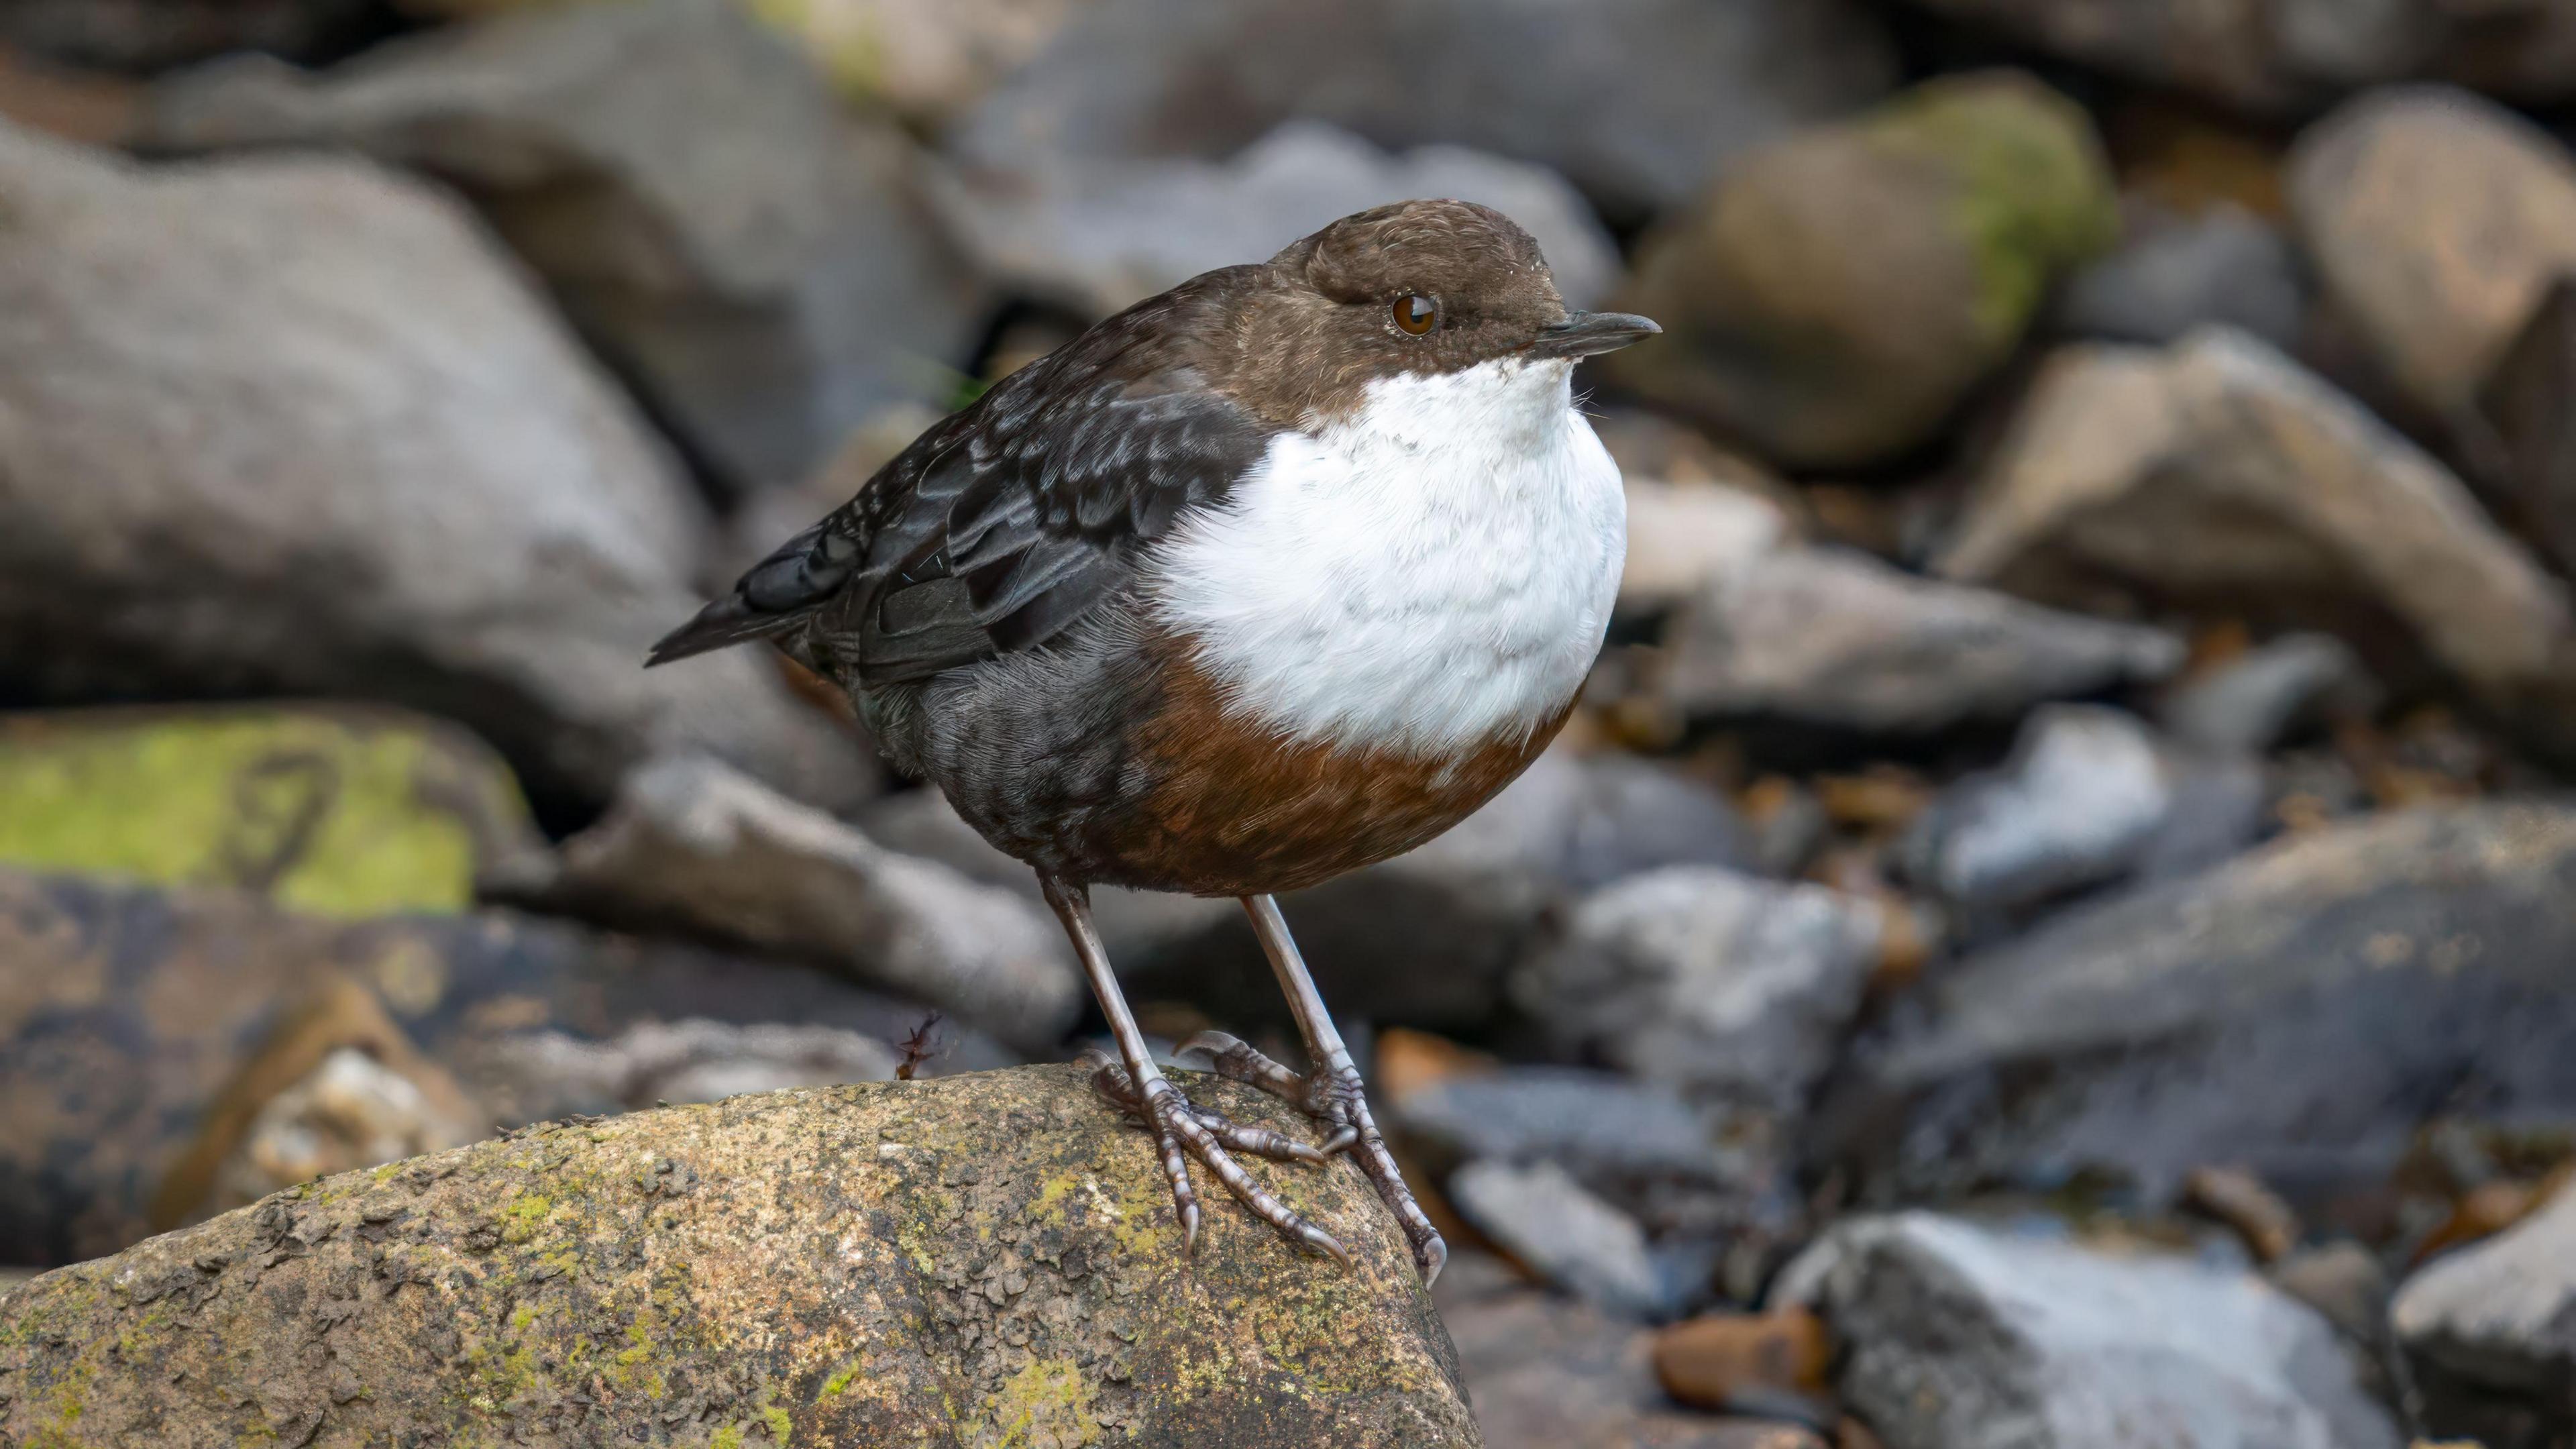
x=1584, y=334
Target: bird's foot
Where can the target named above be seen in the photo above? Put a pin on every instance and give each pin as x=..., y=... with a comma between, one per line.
x=1183, y=1129
x=1331, y=1095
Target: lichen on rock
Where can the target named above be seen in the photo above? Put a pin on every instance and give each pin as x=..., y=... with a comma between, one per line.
x=988, y=1260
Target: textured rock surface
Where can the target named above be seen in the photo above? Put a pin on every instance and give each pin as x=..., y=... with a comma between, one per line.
x=141, y=1031
x=328, y=443
x=1829, y=637
x=2436, y=221
x=1837, y=294
x=1958, y=1338
x=1709, y=980
x=982, y=1260
x=769, y=280
x=2299, y=1011
x=1098, y=236
x=2220, y=476
x=1637, y=101
x=690, y=843
x=341, y=811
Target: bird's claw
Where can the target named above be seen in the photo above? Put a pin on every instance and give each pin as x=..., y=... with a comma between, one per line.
x=1333, y=1096
x=1182, y=1129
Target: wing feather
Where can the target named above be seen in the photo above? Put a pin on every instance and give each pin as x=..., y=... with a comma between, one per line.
x=1010, y=522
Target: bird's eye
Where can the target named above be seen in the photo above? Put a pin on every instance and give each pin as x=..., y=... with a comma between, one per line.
x=1416, y=313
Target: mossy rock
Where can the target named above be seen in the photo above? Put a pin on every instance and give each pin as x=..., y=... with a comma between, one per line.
x=332, y=810
x=986, y=1260
x=1838, y=294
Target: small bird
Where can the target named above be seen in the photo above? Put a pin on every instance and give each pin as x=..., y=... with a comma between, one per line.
x=1270, y=577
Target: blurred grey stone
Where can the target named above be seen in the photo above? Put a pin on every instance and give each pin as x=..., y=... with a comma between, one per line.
x=1717, y=983
x=1135, y=925
x=328, y=443
x=1824, y=304
x=2342, y=1281
x=760, y=263
x=2219, y=805
x=150, y=35
x=2502, y=1313
x=696, y=1060
x=2436, y=221
x=1787, y=837
x=927, y=60
x=1680, y=1169
x=149, y=1012
x=1096, y=236
x=2287, y=57
x=1682, y=535
x=2088, y=796
x=691, y=844
x=2224, y=266
x=2220, y=477
x=2076, y=804
x=1551, y=1373
x=1636, y=815
x=1635, y=101
x=1590, y=1121
x=1828, y=637
x=1956, y=1337
x=1542, y=1216
x=2524, y=406
x=2283, y=1012
x=2254, y=702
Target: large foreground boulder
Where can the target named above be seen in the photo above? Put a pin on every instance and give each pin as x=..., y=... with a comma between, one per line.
x=982, y=1260
x=295, y=426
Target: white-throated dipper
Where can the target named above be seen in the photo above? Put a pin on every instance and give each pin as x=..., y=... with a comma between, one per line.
x=1265, y=579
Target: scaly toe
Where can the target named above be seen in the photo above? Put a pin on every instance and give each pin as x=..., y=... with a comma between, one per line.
x=1174, y=1115
x=1238, y=1060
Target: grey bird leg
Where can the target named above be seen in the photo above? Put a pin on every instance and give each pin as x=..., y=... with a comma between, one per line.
x=1181, y=1129
x=1332, y=1092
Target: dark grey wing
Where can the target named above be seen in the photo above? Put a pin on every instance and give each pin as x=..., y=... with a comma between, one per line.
x=1001, y=528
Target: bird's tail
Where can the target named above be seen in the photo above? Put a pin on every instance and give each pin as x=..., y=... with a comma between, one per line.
x=780, y=594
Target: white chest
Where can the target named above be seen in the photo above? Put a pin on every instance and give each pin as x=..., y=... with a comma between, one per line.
x=1431, y=573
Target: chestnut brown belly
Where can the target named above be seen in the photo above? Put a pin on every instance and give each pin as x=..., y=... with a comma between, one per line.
x=1226, y=807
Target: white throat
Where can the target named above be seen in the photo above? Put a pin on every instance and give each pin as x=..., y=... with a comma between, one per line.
x=1430, y=574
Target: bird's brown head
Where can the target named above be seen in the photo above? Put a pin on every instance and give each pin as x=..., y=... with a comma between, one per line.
x=1415, y=287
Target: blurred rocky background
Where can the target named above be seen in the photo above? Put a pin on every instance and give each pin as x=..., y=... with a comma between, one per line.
x=2054, y=926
